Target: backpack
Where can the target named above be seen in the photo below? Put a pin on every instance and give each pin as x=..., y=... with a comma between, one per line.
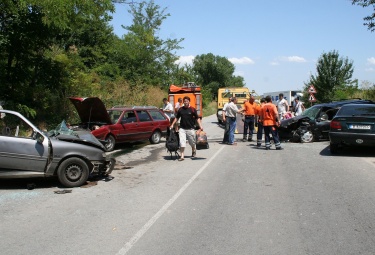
x=173, y=143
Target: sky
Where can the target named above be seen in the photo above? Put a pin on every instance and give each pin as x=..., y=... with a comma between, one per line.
x=274, y=44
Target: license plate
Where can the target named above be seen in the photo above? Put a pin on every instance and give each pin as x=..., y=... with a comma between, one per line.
x=360, y=127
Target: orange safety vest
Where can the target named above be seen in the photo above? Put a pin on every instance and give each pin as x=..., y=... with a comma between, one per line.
x=250, y=108
x=268, y=113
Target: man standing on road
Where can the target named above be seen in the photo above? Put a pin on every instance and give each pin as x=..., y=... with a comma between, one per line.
x=231, y=114
x=226, y=122
x=282, y=106
x=270, y=119
x=249, y=110
x=259, y=123
x=188, y=116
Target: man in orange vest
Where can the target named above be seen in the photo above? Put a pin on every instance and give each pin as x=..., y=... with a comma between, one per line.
x=249, y=111
x=258, y=122
x=270, y=119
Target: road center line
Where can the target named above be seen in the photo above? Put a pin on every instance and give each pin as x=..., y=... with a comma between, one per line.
x=151, y=222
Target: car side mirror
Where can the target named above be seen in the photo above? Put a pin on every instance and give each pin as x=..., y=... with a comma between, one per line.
x=38, y=137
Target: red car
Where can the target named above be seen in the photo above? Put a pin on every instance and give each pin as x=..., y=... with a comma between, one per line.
x=121, y=124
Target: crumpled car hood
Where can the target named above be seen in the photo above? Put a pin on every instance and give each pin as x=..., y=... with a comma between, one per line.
x=64, y=133
x=289, y=122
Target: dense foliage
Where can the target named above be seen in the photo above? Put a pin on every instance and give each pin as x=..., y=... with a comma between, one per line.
x=50, y=50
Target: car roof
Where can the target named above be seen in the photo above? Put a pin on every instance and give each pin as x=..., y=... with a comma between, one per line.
x=335, y=104
x=134, y=107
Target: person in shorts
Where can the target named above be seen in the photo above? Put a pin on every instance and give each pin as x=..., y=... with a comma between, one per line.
x=188, y=116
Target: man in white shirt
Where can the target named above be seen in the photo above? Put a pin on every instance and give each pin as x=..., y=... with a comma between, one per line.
x=168, y=108
x=282, y=106
x=226, y=122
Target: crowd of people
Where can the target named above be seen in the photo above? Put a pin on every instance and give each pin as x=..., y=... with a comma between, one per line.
x=266, y=117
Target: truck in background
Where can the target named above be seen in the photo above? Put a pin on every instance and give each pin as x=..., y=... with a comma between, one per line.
x=223, y=95
x=289, y=96
x=189, y=89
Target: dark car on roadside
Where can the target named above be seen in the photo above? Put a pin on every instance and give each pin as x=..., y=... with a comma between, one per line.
x=314, y=123
x=71, y=156
x=121, y=124
x=353, y=126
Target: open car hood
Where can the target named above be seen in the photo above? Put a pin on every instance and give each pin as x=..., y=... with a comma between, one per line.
x=91, y=110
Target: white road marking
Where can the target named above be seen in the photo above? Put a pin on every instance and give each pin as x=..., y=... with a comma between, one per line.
x=151, y=222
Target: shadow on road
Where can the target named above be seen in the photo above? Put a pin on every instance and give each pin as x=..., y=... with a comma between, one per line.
x=349, y=152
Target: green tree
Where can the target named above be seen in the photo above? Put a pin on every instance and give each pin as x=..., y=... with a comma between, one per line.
x=142, y=54
x=215, y=72
x=369, y=20
x=47, y=49
x=333, y=80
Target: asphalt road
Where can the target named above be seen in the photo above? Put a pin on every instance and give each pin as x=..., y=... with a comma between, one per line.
x=229, y=200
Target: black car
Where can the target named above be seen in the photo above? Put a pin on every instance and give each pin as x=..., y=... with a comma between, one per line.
x=314, y=123
x=353, y=126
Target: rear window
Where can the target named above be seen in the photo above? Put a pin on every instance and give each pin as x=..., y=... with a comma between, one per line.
x=156, y=115
x=363, y=110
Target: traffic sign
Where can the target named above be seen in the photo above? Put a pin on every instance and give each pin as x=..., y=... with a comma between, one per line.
x=312, y=89
x=312, y=98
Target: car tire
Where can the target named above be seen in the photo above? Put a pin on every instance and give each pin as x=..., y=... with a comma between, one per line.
x=110, y=143
x=333, y=148
x=155, y=137
x=73, y=172
x=307, y=137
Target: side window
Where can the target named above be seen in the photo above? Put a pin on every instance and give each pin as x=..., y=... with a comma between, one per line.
x=156, y=115
x=12, y=125
x=114, y=116
x=143, y=116
x=129, y=117
x=331, y=113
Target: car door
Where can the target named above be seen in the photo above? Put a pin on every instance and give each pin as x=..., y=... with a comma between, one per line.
x=324, y=120
x=128, y=127
x=19, y=150
x=146, y=125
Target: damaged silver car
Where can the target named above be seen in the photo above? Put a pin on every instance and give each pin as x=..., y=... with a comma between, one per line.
x=71, y=156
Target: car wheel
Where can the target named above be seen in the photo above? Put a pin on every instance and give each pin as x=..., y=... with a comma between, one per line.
x=155, y=137
x=73, y=172
x=334, y=148
x=110, y=143
x=307, y=137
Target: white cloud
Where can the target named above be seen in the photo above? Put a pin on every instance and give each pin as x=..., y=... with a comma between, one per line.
x=370, y=69
x=295, y=59
x=185, y=60
x=242, y=61
x=371, y=61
